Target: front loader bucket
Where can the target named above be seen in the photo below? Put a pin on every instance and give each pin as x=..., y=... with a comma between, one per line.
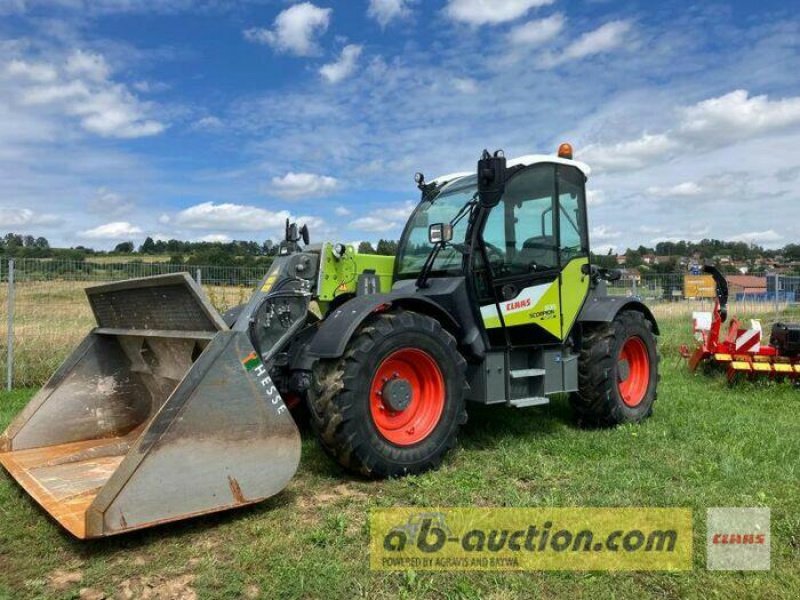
x=161, y=413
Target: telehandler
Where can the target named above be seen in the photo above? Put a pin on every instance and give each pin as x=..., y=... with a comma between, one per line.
x=168, y=409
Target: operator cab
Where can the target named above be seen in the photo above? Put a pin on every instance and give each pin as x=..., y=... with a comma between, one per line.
x=523, y=257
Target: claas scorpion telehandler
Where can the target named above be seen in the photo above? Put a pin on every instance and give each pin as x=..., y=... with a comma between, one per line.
x=168, y=410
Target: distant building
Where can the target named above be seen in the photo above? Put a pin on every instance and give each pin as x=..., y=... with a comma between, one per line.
x=788, y=287
x=747, y=285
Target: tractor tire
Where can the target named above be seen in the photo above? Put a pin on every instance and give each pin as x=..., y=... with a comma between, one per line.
x=392, y=405
x=617, y=372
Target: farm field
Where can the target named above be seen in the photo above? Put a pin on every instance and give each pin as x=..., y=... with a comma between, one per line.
x=707, y=445
x=51, y=317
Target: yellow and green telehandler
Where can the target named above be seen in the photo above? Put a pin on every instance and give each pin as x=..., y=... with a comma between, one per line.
x=168, y=409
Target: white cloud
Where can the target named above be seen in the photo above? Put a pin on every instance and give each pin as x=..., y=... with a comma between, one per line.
x=81, y=87
x=708, y=125
x=465, y=85
x=342, y=211
x=295, y=29
x=109, y=203
x=373, y=225
x=629, y=155
x=687, y=189
x=595, y=197
x=344, y=67
x=302, y=185
x=603, y=233
x=769, y=236
x=230, y=217
x=482, y=12
x=210, y=123
x=25, y=217
x=400, y=212
x=392, y=218
x=536, y=33
x=738, y=115
x=386, y=11
x=164, y=219
x=38, y=72
x=118, y=230
x=604, y=38
x=87, y=64
x=215, y=237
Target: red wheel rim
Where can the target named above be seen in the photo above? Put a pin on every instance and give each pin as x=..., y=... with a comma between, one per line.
x=633, y=371
x=417, y=372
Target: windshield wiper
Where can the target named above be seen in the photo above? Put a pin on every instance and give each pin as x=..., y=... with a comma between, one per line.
x=427, y=267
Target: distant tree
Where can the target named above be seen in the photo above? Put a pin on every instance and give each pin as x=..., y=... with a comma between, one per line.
x=42, y=243
x=174, y=247
x=28, y=241
x=633, y=258
x=366, y=248
x=792, y=252
x=124, y=248
x=386, y=247
x=13, y=241
x=148, y=247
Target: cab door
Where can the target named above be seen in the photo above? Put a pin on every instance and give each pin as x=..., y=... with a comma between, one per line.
x=573, y=244
x=520, y=246
x=535, y=243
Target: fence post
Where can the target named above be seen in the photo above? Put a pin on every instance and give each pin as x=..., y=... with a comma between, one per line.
x=10, y=333
x=198, y=276
x=776, y=293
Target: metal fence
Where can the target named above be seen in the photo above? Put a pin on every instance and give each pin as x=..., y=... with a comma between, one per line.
x=46, y=313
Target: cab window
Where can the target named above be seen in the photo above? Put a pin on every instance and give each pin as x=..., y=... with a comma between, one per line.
x=519, y=232
x=572, y=228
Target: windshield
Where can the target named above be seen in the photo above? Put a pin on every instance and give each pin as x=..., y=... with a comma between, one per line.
x=442, y=209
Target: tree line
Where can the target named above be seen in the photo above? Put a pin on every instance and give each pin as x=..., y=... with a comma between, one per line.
x=236, y=252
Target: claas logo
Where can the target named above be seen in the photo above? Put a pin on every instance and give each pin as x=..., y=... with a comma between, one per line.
x=518, y=304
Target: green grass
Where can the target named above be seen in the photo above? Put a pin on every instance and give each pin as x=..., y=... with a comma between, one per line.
x=706, y=445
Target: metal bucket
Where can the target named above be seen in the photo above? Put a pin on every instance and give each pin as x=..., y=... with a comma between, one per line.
x=161, y=413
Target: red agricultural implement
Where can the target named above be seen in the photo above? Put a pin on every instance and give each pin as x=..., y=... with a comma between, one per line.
x=741, y=351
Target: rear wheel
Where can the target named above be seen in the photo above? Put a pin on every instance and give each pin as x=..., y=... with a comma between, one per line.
x=393, y=404
x=617, y=372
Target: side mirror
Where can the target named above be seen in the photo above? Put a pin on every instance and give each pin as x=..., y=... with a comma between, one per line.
x=491, y=178
x=440, y=233
x=304, y=234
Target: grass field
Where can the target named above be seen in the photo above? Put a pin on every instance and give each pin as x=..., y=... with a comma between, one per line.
x=706, y=445
x=128, y=258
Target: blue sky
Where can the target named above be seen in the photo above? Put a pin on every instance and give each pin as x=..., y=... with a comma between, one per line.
x=216, y=120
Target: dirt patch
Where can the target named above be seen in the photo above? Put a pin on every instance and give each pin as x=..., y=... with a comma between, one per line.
x=91, y=594
x=331, y=495
x=157, y=588
x=251, y=592
x=62, y=580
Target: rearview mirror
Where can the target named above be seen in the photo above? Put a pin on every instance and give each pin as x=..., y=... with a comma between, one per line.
x=440, y=233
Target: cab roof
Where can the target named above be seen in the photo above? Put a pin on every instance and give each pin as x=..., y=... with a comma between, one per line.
x=527, y=160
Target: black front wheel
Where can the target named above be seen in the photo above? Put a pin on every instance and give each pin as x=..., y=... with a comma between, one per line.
x=393, y=404
x=617, y=372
